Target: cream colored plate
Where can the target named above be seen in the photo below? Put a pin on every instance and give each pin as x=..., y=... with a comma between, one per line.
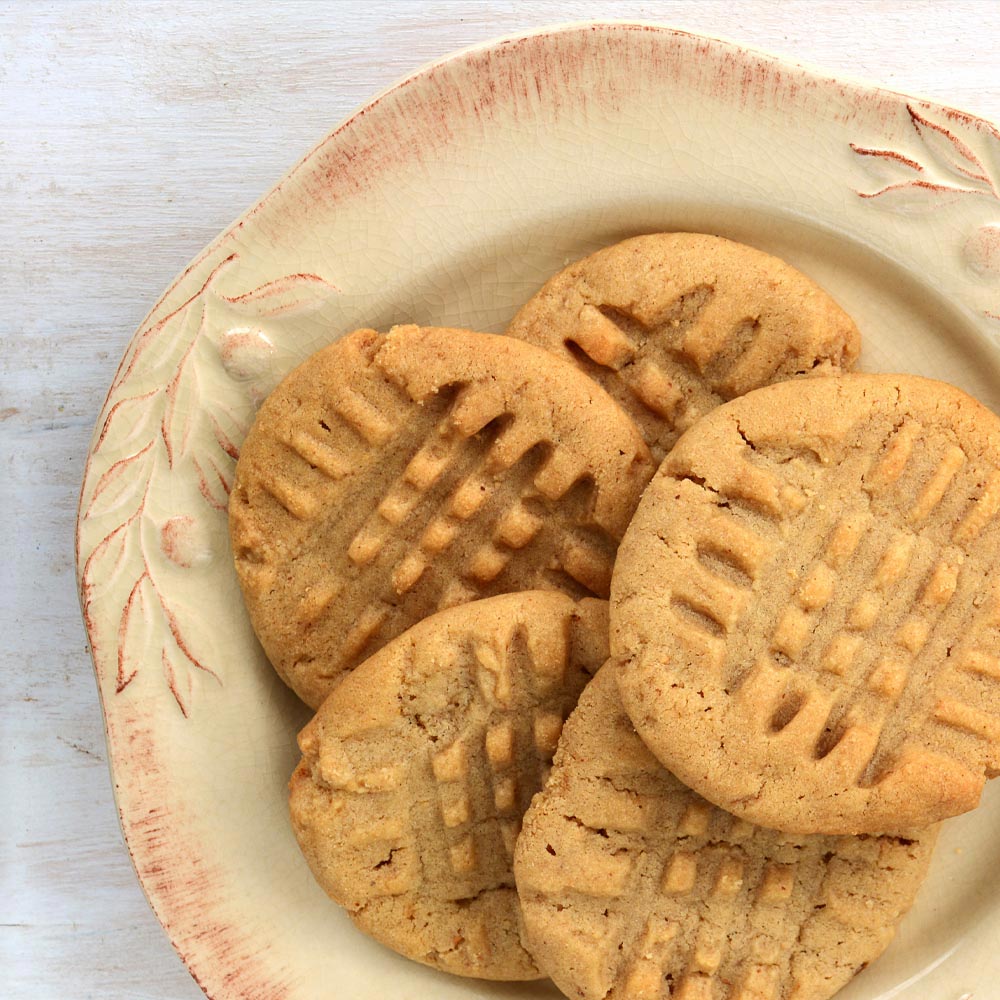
x=448, y=200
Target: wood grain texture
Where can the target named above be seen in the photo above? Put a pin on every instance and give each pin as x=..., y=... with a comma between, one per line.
x=130, y=135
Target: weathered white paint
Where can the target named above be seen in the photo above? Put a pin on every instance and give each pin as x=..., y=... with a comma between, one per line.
x=130, y=134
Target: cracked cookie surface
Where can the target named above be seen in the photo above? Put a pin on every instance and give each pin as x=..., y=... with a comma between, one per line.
x=417, y=769
x=673, y=324
x=633, y=887
x=389, y=477
x=806, y=608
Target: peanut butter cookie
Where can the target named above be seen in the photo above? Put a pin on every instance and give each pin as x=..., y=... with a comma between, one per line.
x=806, y=607
x=633, y=887
x=673, y=324
x=389, y=477
x=417, y=770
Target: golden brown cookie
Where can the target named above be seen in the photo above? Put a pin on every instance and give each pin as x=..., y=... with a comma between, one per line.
x=673, y=324
x=806, y=606
x=418, y=768
x=633, y=887
x=389, y=477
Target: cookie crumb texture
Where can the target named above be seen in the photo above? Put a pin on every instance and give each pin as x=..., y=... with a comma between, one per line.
x=806, y=607
x=673, y=324
x=633, y=887
x=418, y=768
x=389, y=477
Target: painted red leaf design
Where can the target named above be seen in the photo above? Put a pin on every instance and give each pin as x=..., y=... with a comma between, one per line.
x=143, y=619
x=213, y=484
x=180, y=644
x=181, y=441
x=124, y=483
x=296, y=292
x=151, y=334
x=108, y=562
x=132, y=413
x=951, y=153
x=223, y=439
x=182, y=403
x=912, y=198
x=949, y=169
x=889, y=158
x=179, y=682
x=135, y=643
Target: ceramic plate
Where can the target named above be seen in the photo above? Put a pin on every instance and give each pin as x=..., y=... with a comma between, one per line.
x=448, y=200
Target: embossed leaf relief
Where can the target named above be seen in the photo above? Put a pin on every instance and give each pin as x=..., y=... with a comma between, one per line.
x=177, y=442
x=955, y=160
x=951, y=161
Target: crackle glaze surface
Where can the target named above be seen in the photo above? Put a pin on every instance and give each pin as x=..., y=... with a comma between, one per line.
x=447, y=201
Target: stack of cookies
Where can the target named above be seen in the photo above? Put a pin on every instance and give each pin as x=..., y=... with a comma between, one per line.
x=777, y=658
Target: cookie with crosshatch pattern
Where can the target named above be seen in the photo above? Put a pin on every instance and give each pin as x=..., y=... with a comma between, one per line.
x=633, y=887
x=418, y=767
x=389, y=477
x=806, y=606
x=673, y=324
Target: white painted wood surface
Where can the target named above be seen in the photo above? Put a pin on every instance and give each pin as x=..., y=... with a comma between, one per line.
x=130, y=134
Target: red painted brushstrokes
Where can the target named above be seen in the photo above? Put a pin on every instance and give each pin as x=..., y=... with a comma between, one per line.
x=114, y=410
x=189, y=891
x=223, y=440
x=116, y=470
x=975, y=169
x=170, y=405
x=888, y=154
x=179, y=639
x=126, y=673
x=170, y=677
x=143, y=338
x=205, y=489
x=923, y=185
x=285, y=287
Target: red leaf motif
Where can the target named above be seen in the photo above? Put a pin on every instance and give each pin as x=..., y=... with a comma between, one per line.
x=133, y=410
x=143, y=617
x=889, y=155
x=121, y=483
x=149, y=335
x=181, y=406
x=910, y=196
x=108, y=561
x=293, y=292
x=950, y=152
x=170, y=676
x=199, y=443
x=180, y=641
x=906, y=181
x=134, y=632
x=224, y=441
x=212, y=484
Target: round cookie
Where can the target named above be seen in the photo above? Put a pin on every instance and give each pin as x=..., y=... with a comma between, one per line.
x=388, y=477
x=806, y=607
x=673, y=324
x=632, y=887
x=417, y=769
